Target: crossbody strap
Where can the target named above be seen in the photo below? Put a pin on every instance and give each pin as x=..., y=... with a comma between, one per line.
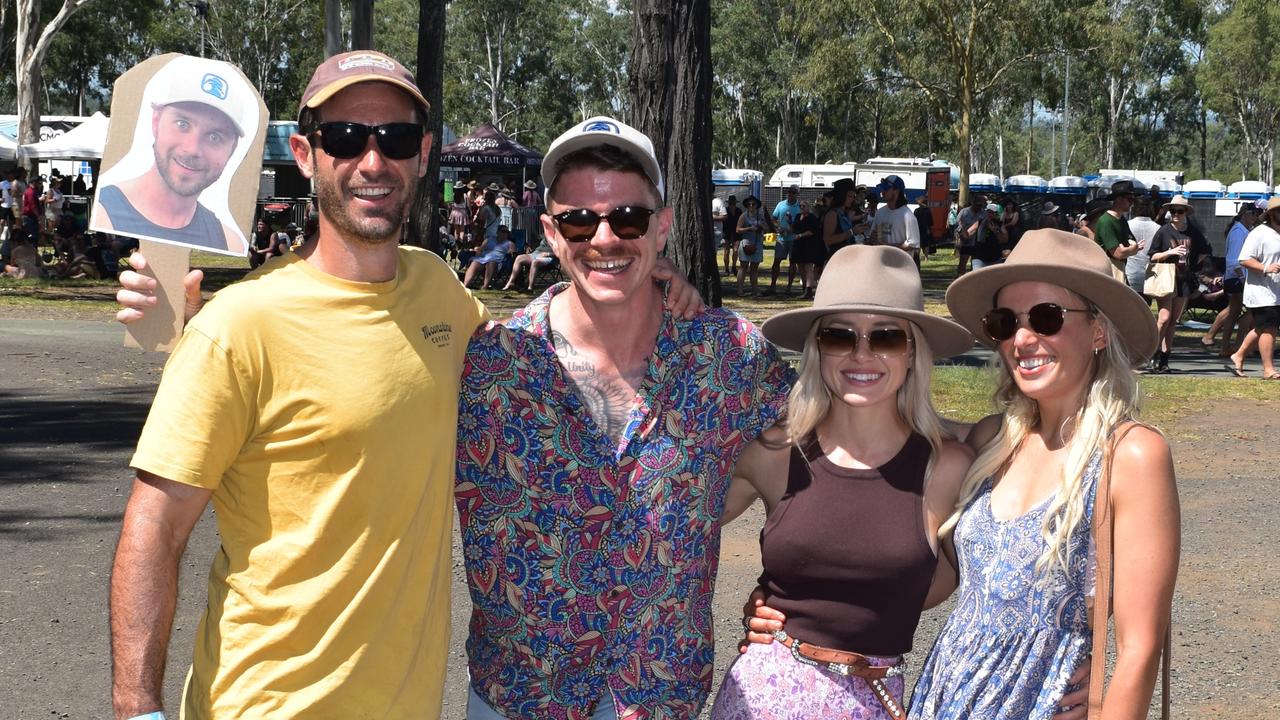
x=1103, y=535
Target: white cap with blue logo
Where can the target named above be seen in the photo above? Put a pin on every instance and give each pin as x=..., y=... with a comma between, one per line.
x=207, y=82
x=601, y=130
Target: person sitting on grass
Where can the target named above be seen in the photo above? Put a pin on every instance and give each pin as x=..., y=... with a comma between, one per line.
x=24, y=261
x=540, y=257
x=490, y=255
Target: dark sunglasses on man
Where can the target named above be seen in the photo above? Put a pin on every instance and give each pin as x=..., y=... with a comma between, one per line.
x=345, y=140
x=628, y=222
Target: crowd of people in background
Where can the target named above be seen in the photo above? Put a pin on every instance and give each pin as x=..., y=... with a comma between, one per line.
x=488, y=228
x=1138, y=229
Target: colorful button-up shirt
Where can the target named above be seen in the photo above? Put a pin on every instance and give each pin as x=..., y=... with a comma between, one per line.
x=592, y=564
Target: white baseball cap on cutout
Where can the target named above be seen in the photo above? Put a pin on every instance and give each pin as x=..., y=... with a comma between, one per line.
x=602, y=130
x=212, y=83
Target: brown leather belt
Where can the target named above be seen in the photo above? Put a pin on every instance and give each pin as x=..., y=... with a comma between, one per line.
x=846, y=664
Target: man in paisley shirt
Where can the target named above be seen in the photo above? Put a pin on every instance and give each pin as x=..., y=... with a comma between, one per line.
x=596, y=436
x=597, y=431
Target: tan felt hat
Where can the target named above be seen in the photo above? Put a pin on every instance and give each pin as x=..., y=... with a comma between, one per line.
x=1067, y=260
x=874, y=279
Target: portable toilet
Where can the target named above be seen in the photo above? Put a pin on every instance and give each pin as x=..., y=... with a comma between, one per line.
x=1030, y=184
x=1248, y=190
x=985, y=183
x=1203, y=189
x=955, y=173
x=1102, y=184
x=1166, y=188
x=736, y=181
x=1068, y=185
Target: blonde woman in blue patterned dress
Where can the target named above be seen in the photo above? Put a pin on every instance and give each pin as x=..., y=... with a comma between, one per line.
x=1067, y=336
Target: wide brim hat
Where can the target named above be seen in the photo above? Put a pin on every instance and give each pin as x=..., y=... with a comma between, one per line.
x=1272, y=204
x=530, y=185
x=874, y=279
x=1049, y=209
x=1097, y=206
x=1122, y=187
x=1067, y=260
x=1178, y=202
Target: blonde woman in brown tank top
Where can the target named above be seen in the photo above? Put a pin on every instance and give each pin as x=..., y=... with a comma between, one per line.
x=855, y=485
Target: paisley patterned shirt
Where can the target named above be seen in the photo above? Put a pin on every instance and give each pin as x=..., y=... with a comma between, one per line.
x=591, y=564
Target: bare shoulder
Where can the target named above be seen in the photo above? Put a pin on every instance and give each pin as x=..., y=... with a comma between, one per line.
x=983, y=431
x=774, y=442
x=764, y=461
x=1141, y=458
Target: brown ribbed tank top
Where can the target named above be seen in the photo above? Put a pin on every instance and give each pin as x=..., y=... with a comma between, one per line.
x=845, y=553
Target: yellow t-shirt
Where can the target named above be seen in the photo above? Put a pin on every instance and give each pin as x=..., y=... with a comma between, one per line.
x=322, y=413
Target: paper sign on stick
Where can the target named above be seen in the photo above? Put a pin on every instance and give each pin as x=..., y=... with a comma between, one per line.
x=180, y=168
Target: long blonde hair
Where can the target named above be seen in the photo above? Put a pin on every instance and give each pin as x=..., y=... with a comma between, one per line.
x=1111, y=399
x=810, y=400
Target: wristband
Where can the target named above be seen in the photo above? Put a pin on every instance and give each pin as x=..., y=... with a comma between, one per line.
x=153, y=715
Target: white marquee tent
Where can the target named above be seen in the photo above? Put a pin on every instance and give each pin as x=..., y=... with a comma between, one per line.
x=82, y=142
x=8, y=148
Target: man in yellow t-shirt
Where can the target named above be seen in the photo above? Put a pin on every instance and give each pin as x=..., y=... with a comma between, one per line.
x=324, y=433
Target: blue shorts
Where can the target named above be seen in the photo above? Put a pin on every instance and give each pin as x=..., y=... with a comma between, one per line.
x=782, y=247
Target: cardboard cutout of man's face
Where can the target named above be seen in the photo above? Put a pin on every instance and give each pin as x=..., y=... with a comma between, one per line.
x=193, y=143
x=183, y=155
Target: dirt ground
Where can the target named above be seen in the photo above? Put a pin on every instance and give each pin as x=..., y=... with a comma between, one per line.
x=73, y=402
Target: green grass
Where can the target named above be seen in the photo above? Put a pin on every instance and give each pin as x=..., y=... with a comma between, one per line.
x=964, y=393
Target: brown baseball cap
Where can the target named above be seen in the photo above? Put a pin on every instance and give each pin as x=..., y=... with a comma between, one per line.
x=347, y=69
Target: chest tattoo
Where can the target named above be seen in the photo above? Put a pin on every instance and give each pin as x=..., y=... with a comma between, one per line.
x=606, y=393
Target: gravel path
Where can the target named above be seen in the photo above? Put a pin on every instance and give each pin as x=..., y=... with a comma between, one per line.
x=74, y=401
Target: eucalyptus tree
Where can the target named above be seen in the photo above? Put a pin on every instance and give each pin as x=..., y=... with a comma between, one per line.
x=1240, y=78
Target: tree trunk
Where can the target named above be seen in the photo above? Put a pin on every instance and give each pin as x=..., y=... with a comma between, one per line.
x=31, y=43
x=671, y=103
x=424, y=220
x=361, y=24
x=965, y=138
x=332, y=27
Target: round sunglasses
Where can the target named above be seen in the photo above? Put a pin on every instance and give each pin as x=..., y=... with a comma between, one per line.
x=628, y=222
x=1044, y=319
x=345, y=140
x=881, y=342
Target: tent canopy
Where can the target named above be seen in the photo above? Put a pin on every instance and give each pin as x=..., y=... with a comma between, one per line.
x=8, y=148
x=84, y=141
x=487, y=146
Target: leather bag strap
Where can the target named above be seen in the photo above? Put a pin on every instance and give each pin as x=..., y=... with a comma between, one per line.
x=1103, y=535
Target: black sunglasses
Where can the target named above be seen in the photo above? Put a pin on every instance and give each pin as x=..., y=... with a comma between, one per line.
x=1044, y=319
x=345, y=140
x=881, y=342
x=628, y=222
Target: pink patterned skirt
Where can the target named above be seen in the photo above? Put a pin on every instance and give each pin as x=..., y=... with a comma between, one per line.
x=767, y=683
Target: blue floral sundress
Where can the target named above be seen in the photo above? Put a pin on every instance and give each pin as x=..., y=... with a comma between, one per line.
x=1013, y=640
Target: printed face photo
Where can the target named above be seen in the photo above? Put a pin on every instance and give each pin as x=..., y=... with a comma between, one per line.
x=183, y=155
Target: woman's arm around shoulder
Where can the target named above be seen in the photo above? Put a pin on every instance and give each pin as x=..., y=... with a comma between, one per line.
x=761, y=472
x=1145, y=566
x=941, y=495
